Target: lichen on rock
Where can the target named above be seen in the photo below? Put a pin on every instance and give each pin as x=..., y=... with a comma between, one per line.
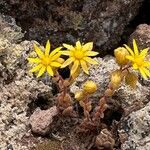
x=137, y=128
x=17, y=89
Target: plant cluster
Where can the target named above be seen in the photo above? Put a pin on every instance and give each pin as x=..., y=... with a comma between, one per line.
x=79, y=58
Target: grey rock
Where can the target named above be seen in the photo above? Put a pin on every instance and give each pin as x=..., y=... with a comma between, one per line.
x=142, y=35
x=66, y=21
x=137, y=127
x=9, y=30
x=99, y=73
x=41, y=120
x=18, y=88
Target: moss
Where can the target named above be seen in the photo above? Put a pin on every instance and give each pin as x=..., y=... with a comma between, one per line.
x=50, y=145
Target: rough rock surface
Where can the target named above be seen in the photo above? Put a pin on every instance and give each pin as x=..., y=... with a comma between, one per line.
x=105, y=140
x=41, y=120
x=69, y=20
x=9, y=30
x=137, y=128
x=17, y=88
x=142, y=35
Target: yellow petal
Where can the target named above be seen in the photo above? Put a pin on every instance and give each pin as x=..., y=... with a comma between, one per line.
x=76, y=73
x=129, y=49
x=36, y=68
x=41, y=72
x=88, y=46
x=78, y=45
x=135, y=47
x=55, y=51
x=84, y=66
x=50, y=71
x=34, y=60
x=69, y=47
x=129, y=57
x=67, y=53
x=55, y=64
x=146, y=64
x=91, y=53
x=144, y=52
x=147, y=72
x=74, y=67
x=90, y=60
x=55, y=57
x=67, y=62
x=47, y=49
x=135, y=66
x=143, y=73
x=38, y=51
x=60, y=60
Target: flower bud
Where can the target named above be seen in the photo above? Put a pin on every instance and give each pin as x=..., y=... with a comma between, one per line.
x=116, y=78
x=89, y=87
x=131, y=79
x=79, y=95
x=120, y=54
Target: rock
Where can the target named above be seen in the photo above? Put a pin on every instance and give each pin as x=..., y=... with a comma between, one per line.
x=105, y=140
x=137, y=128
x=98, y=73
x=9, y=30
x=67, y=21
x=142, y=35
x=41, y=120
x=18, y=88
x=15, y=98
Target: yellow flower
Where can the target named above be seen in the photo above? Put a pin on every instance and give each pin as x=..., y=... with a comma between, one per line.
x=138, y=59
x=79, y=56
x=46, y=61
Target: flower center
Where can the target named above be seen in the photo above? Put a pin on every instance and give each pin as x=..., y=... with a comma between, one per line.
x=78, y=54
x=46, y=61
x=139, y=61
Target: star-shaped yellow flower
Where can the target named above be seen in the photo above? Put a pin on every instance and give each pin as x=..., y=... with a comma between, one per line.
x=79, y=56
x=138, y=59
x=45, y=61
